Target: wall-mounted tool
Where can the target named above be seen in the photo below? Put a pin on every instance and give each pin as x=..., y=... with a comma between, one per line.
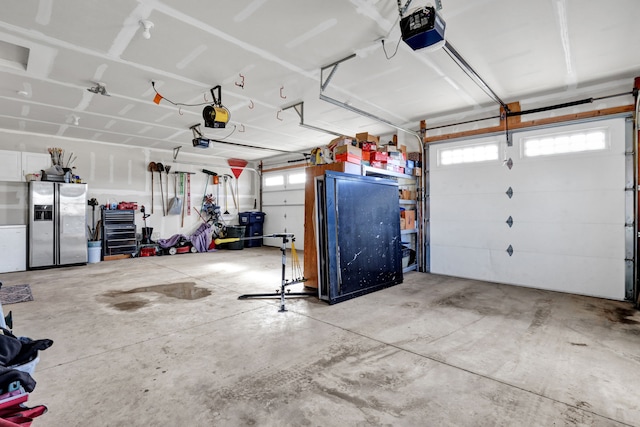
x=204, y=196
x=160, y=168
x=152, y=168
x=92, y=231
x=167, y=168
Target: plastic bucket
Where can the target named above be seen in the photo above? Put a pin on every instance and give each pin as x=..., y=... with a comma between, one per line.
x=95, y=251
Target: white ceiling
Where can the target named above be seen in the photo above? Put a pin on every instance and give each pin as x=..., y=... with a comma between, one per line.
x=522, y=49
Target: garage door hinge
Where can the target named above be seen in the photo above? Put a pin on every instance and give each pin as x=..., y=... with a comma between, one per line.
x=509, y=163
x=510, y=221
x=510, y=192
x=510, y=250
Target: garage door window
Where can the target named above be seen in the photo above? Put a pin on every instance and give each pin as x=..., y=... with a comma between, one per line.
x=274, y=181
x=468, y=154
x=563, y=143
x=297, y=178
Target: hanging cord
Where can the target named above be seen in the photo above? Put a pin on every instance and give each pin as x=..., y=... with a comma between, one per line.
x=394, y=53
x=232, y=132
x=153, y=84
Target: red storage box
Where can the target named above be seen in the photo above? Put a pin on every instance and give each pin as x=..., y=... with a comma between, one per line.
x=348, y=158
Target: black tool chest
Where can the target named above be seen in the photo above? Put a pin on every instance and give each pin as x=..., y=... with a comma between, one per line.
x=118, y=232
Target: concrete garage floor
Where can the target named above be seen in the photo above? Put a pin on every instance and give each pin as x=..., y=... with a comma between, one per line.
x=432, y=351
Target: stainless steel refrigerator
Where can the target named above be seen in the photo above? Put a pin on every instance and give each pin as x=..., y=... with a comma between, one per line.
x=57, y=224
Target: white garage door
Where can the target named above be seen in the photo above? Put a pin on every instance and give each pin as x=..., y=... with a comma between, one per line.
x=566, y=209
x=283, y=205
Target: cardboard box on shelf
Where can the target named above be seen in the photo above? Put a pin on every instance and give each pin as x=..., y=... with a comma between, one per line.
x=388, y=148
x=348, y=149
x=366, y=137
x=414, y=155
x=377, y=164
x=409, y=218
x=378, y=156
x=341, y=140
x=403, y=224
x=346, y=157
x=368, y=146
x=417, y=172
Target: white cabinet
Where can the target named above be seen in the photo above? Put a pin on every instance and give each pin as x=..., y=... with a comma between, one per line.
x=34, y=163
x=15, y=165
x=10, y=166
x=13, y=248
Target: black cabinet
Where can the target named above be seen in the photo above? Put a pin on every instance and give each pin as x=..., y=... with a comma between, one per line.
x=118, y=232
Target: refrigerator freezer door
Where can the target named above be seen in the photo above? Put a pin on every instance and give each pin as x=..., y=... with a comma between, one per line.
x=41, y=224
x=72, y=223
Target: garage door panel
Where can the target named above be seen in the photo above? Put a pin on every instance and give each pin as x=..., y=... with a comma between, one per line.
x=586, y=240
x=473, y=180
x=568, y=215
x=580, y=275
x=470, y=207
x=599, y=277
x=272, y=198
x=473, y=234
x=294, y=197
x=283, y=205
x=284, y=219
x=579, y=173
x=471, y=263
x=569, y=206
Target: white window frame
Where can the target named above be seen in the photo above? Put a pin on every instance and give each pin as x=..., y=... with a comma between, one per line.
x=441, y=152
x=561, y=138
x=271, y=185
x=294, y=178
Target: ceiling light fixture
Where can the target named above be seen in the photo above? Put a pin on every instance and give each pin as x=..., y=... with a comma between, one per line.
x=99, y=88
x=147, y=25
x=73, y=119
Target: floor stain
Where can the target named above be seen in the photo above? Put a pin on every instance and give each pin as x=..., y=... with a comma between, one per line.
x=542, y=314
x=621, y=315
x=579, y=344
x=129, y=300
x=183, y=290
x=129, y=305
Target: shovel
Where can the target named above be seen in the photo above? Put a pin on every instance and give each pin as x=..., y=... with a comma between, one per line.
x=160, y=170
x=175, y=205
x=167, y=169
x=152, y=168
x=226, y=199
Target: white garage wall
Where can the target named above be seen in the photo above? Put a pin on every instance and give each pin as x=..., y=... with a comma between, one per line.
x=568, y=215
x=117, y=173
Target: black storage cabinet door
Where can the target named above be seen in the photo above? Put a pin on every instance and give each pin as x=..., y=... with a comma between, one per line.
x=359, y=239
